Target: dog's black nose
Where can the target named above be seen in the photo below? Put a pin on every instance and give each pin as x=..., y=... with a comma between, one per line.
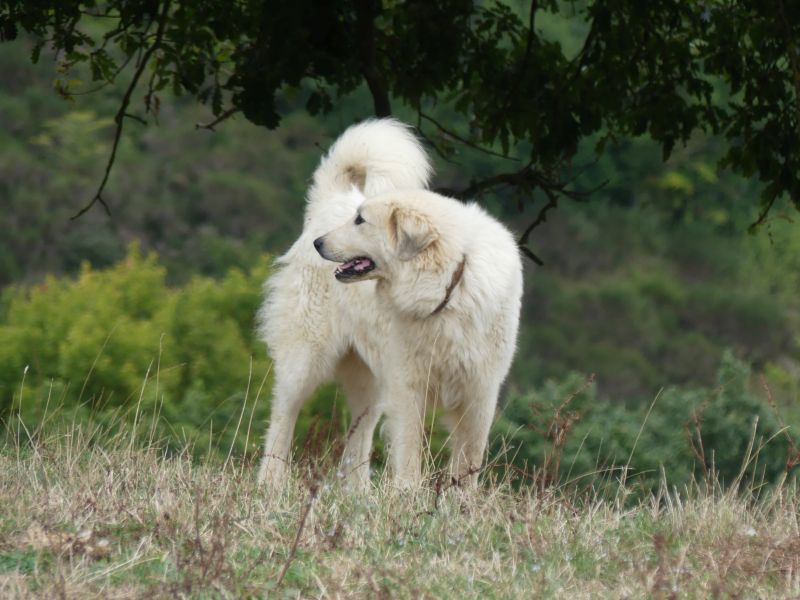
x=318, y=244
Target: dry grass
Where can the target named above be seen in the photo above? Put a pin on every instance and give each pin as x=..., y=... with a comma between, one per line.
x=112, y=520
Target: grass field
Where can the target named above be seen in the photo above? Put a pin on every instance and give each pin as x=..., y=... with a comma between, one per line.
x=83, y=518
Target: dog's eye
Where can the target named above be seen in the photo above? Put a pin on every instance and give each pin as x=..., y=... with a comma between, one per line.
x=359, y=220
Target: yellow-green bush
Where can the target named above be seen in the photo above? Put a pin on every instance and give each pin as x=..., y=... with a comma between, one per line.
x=114, y=340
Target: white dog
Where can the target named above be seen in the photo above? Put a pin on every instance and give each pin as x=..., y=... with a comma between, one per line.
x=422, y=310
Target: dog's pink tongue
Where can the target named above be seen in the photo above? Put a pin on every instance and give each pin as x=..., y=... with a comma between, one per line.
x=357, y=264
x=345, y=266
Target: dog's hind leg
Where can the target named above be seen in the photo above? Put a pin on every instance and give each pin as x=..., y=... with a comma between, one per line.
x=361, y=390
x=296, y=378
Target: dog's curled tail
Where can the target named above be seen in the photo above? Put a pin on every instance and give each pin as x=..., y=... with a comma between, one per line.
x=375, y=156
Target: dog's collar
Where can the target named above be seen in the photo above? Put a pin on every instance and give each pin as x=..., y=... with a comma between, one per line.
x=457, y=275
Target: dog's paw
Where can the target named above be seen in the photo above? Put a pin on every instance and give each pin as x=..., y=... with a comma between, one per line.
x=355, y=479
x=273, y=472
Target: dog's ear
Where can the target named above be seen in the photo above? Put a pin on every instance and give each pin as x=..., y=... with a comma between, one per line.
x=411, y=232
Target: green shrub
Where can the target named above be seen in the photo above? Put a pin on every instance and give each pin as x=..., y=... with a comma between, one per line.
x=690, y=433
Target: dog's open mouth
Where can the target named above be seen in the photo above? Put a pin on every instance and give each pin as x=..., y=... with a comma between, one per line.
x=354, y=268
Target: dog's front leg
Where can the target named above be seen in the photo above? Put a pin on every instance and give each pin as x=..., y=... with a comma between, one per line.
x=295, y=381
x=274, y=469
x=405, y=412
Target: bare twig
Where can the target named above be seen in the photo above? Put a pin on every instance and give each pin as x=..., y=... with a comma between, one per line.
x=463, y=140
x=312, y=496
x=555, y=428
x=541, y=217
x=136, y=118
x=554, y=191
x=524, y=176
x=444, y=482
x=222, y=117
x=762, y=216
x=119, y=118
x=695, y=434
x=530, y=254
x=792, y=452
x=439, y=152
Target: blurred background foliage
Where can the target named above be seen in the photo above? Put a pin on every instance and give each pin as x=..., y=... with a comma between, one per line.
x=653, y=285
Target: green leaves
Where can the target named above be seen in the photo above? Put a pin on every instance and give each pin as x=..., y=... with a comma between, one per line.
x=662, y=68
x=102, y=65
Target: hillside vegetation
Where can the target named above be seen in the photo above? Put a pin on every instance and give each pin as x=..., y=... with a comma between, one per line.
x=653, y=289
x=120, y=347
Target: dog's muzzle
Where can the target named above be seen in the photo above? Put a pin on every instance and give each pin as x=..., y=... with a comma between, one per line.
x=349, y=270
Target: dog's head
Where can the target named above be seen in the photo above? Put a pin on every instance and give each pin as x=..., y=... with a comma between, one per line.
x=381, y=236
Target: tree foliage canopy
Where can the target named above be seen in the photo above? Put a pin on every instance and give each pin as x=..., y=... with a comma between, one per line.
x=664, y=68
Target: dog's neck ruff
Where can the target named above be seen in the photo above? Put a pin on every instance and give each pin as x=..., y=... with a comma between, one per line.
x=459, y=272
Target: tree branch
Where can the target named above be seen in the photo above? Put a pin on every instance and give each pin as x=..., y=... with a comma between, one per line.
x=119, y=118
x=525, y=175
x=541, y=217
x=531, y=178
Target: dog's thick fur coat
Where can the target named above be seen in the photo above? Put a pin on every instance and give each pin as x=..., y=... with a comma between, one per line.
x=429, y=317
